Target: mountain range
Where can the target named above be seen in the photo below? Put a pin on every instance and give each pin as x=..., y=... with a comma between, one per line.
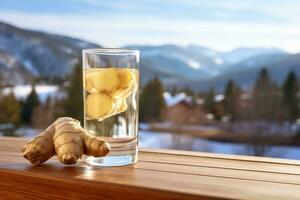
x=193, y=64
x=27, y=54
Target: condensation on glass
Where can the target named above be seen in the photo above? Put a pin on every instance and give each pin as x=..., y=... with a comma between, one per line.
x=110, y=89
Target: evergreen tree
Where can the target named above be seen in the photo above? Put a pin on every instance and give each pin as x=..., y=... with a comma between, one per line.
x=10, y=109
x=188, y=91
x=73, y=105
x=209, y=102
x=1, y=84
x=43, y=115
x=289, y=96
x=152, y=102
x=31, y=102
x=265, y=98
x=231, y=99
x=173, y=90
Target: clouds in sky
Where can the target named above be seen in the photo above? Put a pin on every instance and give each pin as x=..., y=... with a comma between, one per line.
x=219, y=24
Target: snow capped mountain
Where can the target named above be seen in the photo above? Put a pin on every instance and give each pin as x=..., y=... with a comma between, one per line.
x=39, y=54
x=188, y=63
x=199, y=63
x=13, y=69
x=194, y=64
x=25, y=55
x=236, y=55
x=219, y=61
x=246, y=72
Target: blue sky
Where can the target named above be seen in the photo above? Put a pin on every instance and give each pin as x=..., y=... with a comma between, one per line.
x=218, y=24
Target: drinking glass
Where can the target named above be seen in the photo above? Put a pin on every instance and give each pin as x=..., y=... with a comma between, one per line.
x=110, y=89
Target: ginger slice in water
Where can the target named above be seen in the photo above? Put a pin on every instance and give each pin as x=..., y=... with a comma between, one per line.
x=126, y=78
x=127, y=83
x=98, y=105
x=104, y=80
x=110, y=88
x=120, y=105
x=123, y=106
x=88, y=85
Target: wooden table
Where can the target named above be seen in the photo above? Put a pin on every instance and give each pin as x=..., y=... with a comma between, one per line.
x=157, y=175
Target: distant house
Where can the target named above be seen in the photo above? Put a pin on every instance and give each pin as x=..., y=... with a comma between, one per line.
x=181, y=110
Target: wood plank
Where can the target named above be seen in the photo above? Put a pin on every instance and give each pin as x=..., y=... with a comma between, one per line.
x=6, y=145
x=192, y=154
x=195, y=170
x=216, y=163
x=12, y=144
x=211, y=161
x=221, y=172
x=180, y=184
x=222, y=162
x=20, y=186
x=158, y=175
x=207, y=160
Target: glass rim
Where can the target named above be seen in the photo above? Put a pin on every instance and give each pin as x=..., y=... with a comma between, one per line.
x=110, y=51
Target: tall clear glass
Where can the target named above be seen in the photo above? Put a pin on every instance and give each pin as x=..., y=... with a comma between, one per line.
x=110, y=89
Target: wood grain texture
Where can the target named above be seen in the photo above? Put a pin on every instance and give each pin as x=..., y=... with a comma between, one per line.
x=159, y=174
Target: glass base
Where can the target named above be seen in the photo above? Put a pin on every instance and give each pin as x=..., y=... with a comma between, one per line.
x=112, y=161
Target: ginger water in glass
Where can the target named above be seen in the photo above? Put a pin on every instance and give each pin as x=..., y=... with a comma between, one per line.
x=110, y=89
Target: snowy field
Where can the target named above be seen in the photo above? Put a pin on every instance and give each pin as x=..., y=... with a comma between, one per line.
x=162, y=140
x=44, y=91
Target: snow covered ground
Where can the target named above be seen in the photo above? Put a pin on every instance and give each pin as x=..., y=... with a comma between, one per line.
x=163, y=140
x=44, y=91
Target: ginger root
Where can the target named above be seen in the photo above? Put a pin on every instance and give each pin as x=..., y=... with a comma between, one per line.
x=108, y=90
x=105, y=80
x=68, y=140
x=98, y=105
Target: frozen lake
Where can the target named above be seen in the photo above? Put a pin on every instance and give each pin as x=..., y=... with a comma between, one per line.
x=163, y=140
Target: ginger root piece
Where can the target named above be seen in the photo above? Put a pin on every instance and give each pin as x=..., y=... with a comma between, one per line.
x=108, y=90
x=87, y=84
x=126, y=78
x=120, y=105
x=127, y=84
x=68, y=140
x=123, y=106
x=98, y=105
x=104, y=80
x=41, y=148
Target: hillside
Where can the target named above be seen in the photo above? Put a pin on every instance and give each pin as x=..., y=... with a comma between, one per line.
x=38, y=54
x=26, y=55
x=245, y=76
x=199, y=64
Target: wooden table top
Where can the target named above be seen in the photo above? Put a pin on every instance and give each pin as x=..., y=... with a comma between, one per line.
x=158, y=175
